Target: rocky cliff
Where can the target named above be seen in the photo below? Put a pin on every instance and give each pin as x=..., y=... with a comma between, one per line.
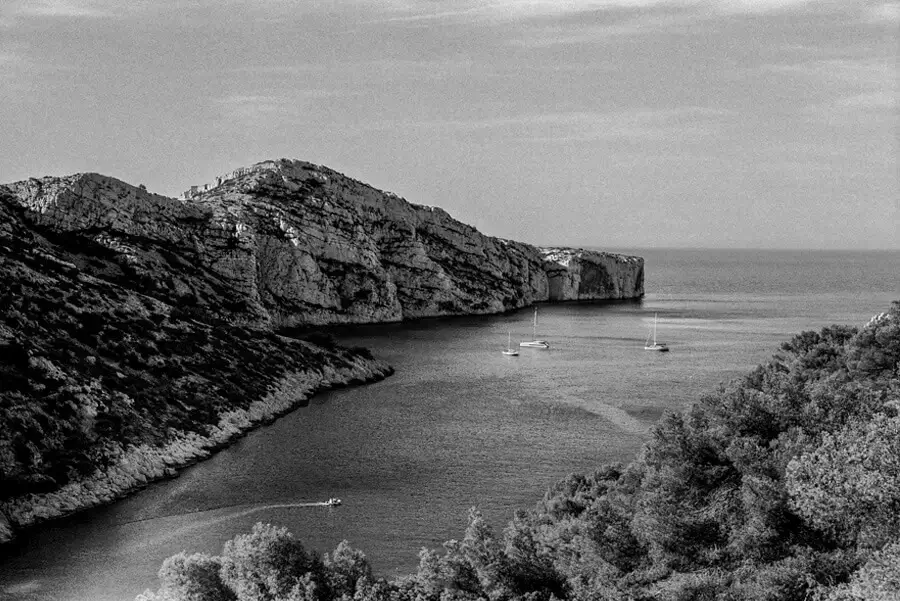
x=292, y=243
x=575, y=274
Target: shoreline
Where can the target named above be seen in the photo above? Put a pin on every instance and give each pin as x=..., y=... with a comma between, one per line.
x=138, y=466
x=340, y=330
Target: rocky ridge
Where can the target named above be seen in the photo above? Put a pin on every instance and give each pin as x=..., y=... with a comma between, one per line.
x=291, y=243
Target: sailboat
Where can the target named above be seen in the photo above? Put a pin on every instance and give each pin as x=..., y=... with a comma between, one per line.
x=655, y=346
x=534, y=342
x=509, y=349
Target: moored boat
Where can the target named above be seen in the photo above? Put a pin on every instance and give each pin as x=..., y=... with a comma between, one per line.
x=662, y=347
x=509, y=349
x=534, y=342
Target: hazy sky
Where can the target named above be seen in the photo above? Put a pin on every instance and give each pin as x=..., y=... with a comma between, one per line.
x=621, y=123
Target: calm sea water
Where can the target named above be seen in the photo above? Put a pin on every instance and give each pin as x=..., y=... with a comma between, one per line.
x=461, y=425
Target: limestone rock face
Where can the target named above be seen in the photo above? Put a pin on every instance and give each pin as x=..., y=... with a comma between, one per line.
x=287, y=243
x=576, y=274
x=91, y=201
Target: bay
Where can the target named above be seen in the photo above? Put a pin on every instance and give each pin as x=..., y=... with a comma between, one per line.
x=460, y=424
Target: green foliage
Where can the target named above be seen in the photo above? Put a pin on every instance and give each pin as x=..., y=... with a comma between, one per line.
x=530, y=563
x=269, y=564
x=90, y=366
x=483, y=566
x=849, y=485
x=877, y=580
x=875, y=352
x=194, y=577
x=347, y=570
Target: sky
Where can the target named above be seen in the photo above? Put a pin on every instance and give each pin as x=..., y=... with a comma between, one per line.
x=604, y=123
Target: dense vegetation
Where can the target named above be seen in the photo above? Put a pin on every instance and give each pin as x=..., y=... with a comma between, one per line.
x=91, y=362
x=783, y=485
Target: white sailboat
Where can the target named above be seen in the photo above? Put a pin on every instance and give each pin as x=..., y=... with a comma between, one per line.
x=509, y=349
x=534, y=342
x=655, y=346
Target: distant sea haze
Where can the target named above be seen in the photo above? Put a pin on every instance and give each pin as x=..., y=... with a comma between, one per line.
x=460, y=424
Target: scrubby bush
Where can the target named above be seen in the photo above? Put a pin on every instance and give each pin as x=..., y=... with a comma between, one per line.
x=89, y=367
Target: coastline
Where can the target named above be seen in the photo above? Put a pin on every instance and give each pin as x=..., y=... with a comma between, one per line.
x=140, y=465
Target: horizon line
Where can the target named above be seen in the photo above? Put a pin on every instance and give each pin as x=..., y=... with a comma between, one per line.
x=729, y=248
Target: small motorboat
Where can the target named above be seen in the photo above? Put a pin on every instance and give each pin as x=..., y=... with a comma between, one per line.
x=333, y=502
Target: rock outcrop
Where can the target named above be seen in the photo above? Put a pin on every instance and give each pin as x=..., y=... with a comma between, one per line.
x=291, y=243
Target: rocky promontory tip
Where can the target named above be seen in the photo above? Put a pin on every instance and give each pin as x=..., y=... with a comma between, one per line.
x=291, y=243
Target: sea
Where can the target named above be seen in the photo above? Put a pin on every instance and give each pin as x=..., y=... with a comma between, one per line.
x=460, y=425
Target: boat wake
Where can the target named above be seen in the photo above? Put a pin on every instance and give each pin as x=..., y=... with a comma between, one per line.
x=250, y=509
x=204, y=523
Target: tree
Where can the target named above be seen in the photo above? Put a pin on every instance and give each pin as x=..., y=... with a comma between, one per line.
x=877, y=580
x=345, y=568
x=194, y=577
x=267, y=564
x=849, y=486
x=875, y=351
x=531, y=568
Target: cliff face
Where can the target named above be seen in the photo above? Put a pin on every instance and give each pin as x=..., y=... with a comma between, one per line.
x=575, y=274
x=290, y=243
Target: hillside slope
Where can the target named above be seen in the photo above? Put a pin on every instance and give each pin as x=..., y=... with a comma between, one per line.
x=103, y=389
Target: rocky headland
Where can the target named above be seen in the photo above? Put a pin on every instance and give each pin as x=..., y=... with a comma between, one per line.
x=139, y=332
x=291, y=243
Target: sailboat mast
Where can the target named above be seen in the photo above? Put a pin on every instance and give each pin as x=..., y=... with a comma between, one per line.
x=534, y=326
x=655, y=315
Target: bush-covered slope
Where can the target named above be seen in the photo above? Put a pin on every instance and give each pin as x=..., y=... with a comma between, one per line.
x=783, y=485
x=90, y=368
